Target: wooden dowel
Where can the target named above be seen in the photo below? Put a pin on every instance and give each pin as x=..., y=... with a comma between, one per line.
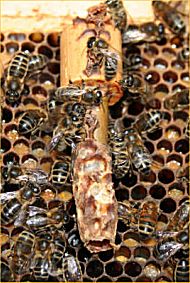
x=95, y=200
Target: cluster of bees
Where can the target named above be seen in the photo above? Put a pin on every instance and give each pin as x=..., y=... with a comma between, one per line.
x=42, y=246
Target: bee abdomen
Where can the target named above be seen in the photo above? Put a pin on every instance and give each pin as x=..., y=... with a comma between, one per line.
x=146, y=228
x=37, y=62
x=110, y=68
x=26, y=124
x=10, y=211
x=40, y=270
x=19, y=65
x=60, y=173
x=142, y=161
x=181, y=273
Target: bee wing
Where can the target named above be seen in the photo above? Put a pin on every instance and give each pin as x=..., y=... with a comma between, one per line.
x=133, y=36
x=54, y=141
x=34, y=210
x=7, y=196
x=112, y=54
x=170, y=248
x=40, y=176
x=63, y=93
x=165, y=234
x=20, y=220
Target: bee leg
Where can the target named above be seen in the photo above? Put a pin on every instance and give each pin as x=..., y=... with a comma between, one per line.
x=34, y=134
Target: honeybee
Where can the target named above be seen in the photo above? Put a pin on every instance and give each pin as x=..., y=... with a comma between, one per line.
x=31, y=121
x=140, y=156
x=169, y=16
x=168, y=246
x=36, y=177
x=60, y=171
x=14, y=202
x=67, y=133
x=181, y=271
x=135, y=87
x=147, y=219
x=148, y=32
x=183, y=55
x=118, y=13
x=99, y=54
x=71, y=269
x=38, y=219
x=121, y=160
x=148, y=121
x=89, y=96
x=16, y=75
x=177, y=101
x=180, y=219
x=37, y=62
x=23, y=251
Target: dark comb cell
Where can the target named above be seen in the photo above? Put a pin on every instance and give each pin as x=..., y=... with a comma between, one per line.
x=135, y=108
x=166, y=176
x=5, y=145
x=170, y=77
x=45, y=50
x=168, y=205
x=152, y=77
x=138, y=193
x=157, y=191
x=113, y=269
x=94, y=268
x=53, y=39
x=28, y=46
x=133, y=269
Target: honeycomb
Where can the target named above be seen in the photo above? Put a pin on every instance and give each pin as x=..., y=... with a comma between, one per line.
x=134, y=261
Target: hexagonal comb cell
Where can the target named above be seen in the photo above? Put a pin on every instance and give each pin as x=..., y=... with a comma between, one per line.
x=132, y=258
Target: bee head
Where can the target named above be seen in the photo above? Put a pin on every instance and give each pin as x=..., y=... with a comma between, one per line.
x=101, y=43
x=12, y=96
x=91, y=41
x=88, y=96
x=98, y=97
x=129, y=81
x=13, y=90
